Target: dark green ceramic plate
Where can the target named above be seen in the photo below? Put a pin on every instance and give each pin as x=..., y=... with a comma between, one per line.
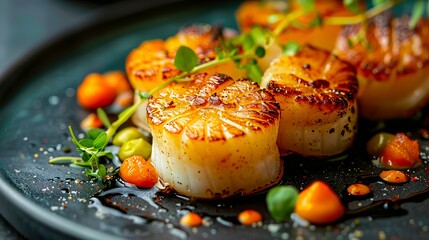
x=37, y=103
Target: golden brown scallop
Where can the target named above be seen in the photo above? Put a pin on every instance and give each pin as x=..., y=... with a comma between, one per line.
x=215, y=137
x=317, y=95
x=152, y=63
x=393, y=72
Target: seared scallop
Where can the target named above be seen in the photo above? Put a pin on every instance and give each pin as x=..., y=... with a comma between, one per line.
x=393, y=70
x=152, y=63
x=215, y=137
x=317, y=94
x=268, y=14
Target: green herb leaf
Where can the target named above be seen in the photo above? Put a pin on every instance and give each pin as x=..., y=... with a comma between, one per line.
x=185, y=59
x=291, y=48
x=88, y=172
x=86, y=156
x=100, y=141
x=259, y=35
x=220, y=53
x=260, y=51
x=352, y=5
x=317, y=21
x=86, y=142
x=248, y=42
x=101, y=172
x=307, y=4
x=254, y=73
x=281, y=202
x=93, y=133
x=418, y=11
x=103, y=117
x=74, y=139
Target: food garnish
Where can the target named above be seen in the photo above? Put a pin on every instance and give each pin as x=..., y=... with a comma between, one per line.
x=191, y=220
x=137, y=146
x=117, y=80
x=249, y=217
x=401, y=153
x=308, y=28
x=358, y=189
x=95, y=93
x=377, y=143
x=319, y=204
x=136, y=170
x=126, y=134
x=394, y=176
x=281, y=202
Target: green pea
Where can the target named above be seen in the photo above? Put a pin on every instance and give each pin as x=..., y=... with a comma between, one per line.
x=135, y=147
x=377, y=143
x=127, y=134
x=281, y=202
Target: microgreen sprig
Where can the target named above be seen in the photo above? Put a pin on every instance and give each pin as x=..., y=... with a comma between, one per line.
x=91, y=149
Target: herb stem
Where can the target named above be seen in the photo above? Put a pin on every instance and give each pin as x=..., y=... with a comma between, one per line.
x=361, y=17
x=64, y=159
x=122, y=119
x=287, y=20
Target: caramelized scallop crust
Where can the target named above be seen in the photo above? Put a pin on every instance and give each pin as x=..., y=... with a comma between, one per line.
x=317, y=94
x=393, y=71
x=215, y=137
x=152, y=63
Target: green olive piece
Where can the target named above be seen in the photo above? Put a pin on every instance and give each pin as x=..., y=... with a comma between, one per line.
x=135, y=147
x=377, y=143
x=127, y=134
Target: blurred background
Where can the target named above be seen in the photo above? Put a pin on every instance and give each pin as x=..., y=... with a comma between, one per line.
x=25, y=24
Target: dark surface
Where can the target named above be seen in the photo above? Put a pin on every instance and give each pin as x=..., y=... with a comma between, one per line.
x=53, y=201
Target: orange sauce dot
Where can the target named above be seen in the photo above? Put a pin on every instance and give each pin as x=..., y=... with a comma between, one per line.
x=249, y=217
x=358, y=189
x=394, y=176
x=191, y=220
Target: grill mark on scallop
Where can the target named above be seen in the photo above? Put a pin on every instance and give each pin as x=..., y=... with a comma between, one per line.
x=396, y=49
x=207, y=107
x=318, y=118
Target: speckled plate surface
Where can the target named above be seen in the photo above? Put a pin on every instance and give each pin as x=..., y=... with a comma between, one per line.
x=37, y=103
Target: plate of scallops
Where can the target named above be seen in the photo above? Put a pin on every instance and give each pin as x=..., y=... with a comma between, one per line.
x=223, y=120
